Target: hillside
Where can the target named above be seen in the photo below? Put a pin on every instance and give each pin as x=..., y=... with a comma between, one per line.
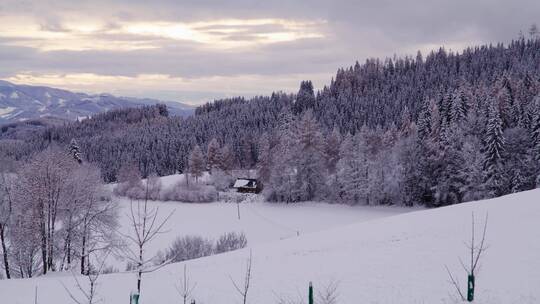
x=436, y=129
x=24, y=102
x=396, y=259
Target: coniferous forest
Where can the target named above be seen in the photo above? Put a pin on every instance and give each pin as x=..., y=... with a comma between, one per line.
x=435, y=129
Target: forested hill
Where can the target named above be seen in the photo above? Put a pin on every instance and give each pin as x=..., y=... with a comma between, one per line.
x=438, y=130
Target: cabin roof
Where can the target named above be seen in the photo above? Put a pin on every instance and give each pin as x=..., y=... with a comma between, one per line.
x=245, y=183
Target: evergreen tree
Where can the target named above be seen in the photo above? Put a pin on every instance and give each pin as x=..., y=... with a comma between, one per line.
x=333, y=141
x=282, y=183
x=305, y=99
x=226, y=159
x=310, y=179
x=196, y=163
x=213, y=156
x=353, y=170
x=424, y=121
x=264, y=164
x=493, y=151
x=458, y=111
x=75, y=151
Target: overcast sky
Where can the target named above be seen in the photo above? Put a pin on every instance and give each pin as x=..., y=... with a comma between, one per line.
x=195, y=51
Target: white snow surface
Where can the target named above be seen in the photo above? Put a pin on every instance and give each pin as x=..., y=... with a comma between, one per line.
x=240, y=183
x=4, y=112
x=373, y=257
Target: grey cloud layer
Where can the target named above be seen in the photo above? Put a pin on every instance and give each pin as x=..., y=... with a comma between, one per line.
x=354, y=30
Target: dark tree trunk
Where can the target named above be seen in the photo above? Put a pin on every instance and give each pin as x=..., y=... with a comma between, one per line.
x=83, y=253
x=43, y=245
x=4, y=251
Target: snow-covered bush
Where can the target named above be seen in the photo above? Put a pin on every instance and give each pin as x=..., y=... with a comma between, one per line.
x=190, y=194
x=221, y=180
x=154, y=187
x=129, y=183
x=133, y=187
x=193, y=247
x=230, y=241
x=188, y=248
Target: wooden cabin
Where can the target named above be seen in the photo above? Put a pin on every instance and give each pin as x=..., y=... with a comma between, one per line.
x=247, y=185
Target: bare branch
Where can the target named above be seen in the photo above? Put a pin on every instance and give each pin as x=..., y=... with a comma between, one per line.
x=455, y=283
x=247, y=279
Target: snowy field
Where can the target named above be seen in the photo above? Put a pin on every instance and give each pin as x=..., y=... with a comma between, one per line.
x=373, y=257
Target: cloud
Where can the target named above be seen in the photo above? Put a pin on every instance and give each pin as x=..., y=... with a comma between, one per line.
x=233, y=47
x=172, y=88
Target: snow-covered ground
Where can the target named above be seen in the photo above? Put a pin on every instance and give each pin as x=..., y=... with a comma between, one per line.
x=373, y=257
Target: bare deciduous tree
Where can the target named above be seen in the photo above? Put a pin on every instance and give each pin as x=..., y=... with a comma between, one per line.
x=243, y=290
x=42, y=187
x=186, y=287
x=475, y=252
x=328, y=295
x=89, y=294
x=6, y=208
x=146, y=226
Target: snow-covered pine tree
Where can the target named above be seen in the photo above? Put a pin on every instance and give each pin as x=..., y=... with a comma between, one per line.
x=458, y=110
x=75, y=151
x=281, y=186
x=493, y=151
x=333, y=141
x=264, y=164
x=534, y=128
x=213, y=155
x=424, y=121
x=196, y=163
x=226, y=159
x=473, y=172
x=311, y=177
x=353, y=168
x=449, y=164
x=305, y=99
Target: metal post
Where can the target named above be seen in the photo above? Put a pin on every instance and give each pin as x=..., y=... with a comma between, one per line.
x=310, y=295
x=134, y=298
x=470, y=288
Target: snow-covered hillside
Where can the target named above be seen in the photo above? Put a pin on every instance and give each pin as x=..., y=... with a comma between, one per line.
x=388, y=259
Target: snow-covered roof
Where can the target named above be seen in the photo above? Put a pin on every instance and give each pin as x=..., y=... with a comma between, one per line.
x=245, y=183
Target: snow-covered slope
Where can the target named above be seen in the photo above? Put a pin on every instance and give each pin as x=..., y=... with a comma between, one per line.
x=395, y=259
x=23, y=102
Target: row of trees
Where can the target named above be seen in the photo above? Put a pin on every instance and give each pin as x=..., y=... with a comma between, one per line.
x=54, y=212
x=454, y=153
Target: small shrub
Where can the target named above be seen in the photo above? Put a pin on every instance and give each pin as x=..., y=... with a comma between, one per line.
x=188, y=248
x=230, y=241
x=194, y=247
x=192, y=194
x=221, y=180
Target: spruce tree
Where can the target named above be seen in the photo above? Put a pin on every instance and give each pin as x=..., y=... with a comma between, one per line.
x=264, y=163
x=333, y=141
x=213, y=155
x=305, y=99
x=493, y=151
x=310, y=179
x=196, y=163
x=75, y=151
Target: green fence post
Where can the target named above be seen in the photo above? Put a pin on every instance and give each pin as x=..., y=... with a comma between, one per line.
x=470, y=288
x=134, y=298
x=310, y=295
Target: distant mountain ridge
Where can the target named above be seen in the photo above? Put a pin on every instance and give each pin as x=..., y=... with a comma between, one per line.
x=25, y=102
